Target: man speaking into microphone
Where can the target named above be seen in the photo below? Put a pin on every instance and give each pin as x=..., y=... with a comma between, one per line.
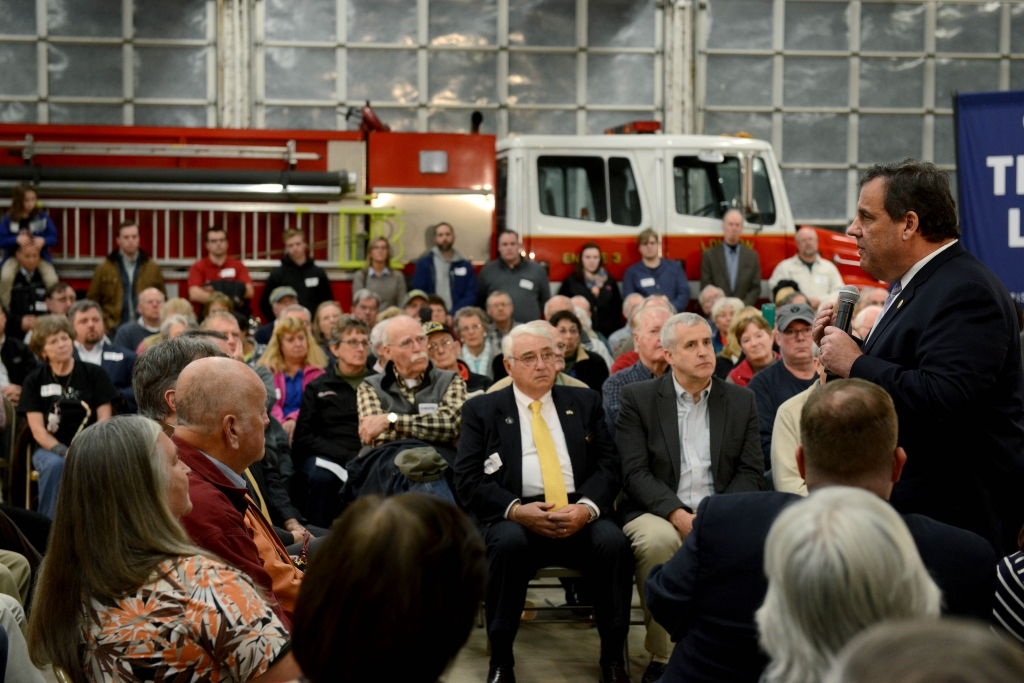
x=947, y=349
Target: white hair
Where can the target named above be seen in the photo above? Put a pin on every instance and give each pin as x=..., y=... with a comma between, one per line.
x=837, y=562
x=735, y=303
x=585, y=320
x=638, y=315
x=631, y=301
x=859, y=320
x=363, y=294
x=536, y=328
x=668, y=330
x=710, y=289
x=651, y=302
x=386, y=332
x=377, y=336
x=294, y=308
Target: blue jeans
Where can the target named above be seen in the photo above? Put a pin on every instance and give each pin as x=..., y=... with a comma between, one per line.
x=437, y=488
x=50, y=466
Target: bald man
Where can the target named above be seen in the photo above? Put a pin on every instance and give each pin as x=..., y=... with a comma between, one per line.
x=219, y=434
x=819, y=279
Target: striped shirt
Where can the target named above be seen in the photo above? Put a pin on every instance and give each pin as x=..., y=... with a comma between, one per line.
x=1008, y=610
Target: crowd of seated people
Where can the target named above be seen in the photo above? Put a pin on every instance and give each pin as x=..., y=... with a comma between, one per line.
x=698, y=458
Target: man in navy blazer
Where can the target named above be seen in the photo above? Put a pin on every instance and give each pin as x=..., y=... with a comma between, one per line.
x=947, y=349
x=91, y=346
x=707, y=593
x=500, y=478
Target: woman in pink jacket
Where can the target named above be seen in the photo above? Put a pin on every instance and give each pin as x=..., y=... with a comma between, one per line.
x=296, y=360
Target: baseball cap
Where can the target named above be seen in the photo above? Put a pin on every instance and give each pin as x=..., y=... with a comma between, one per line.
x=790, y=312
x=413, y=294
x=281, y=292
x=432, y=327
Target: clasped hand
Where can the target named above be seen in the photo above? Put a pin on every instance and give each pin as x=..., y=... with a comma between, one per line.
x=838, y=349
x=542, y=520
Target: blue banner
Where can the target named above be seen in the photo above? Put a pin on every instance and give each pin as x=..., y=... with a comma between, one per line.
x=990, y=178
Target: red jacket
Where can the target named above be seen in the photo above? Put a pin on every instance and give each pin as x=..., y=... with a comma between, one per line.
x=743, y=373
x=628, y=359
x=217, y=522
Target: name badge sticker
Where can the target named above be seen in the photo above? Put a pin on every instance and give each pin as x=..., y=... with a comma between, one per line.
x=428, y=408
x=115, y=356
x=312, y=281
x=647, y=282
x=41, y=307
x=526, y=284
x=48, y=390
x=227, y=272
x=277, y=393
x=460, y=271
x=492, y=464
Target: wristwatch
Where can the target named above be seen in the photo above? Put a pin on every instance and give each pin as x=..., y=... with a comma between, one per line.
x=392, y=419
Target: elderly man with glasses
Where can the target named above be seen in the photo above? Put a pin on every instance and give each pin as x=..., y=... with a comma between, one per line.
x=411, y=399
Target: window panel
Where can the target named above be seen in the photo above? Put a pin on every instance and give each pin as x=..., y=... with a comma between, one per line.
x=387, y=75
x=739, y=81
x=162, y=19
x=541, y=79
x=300, y=73
x=600, y=121
x=817, y=26
x=400, y=120
x=17, y=112
x=892, y=27
x=967, y=28
x=816, y=194
x=945, y=144
x=740, y=24
x=170, y=72
x=300, y=19
x=621, y=23
x=730, y=123
x=1016, y=75
x=543, y=22
x=963, y=75
x=954, y=189
x=814, y=137
x=18, y=17
x=877, y=79
x=463, y=22
x=18, y=69
x=620, y=79
x=382, y=21
x=764, y=200
x=102, y=114
x=697, y=188
x=541, y=122
x=85, y=70
x=458, y=121
x=1017, y=28
x=462, y=77
x=185, y=117
x=300, y=118
x=572, y=187
x=92, y=18
x=816, y=82
x=889, y=137
x=623, y=192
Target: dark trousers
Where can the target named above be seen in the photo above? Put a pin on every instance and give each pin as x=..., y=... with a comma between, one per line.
x=600, y=550
x=323, y=494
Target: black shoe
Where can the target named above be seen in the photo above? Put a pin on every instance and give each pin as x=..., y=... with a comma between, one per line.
x=503, y=673
x=655, y=670
x=614, y=673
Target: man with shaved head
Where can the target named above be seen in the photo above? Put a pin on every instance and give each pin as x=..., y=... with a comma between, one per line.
x=819, y=279
x=150, y=309
x=219, y=434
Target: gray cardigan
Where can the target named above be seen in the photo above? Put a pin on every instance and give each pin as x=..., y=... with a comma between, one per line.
x=390, y=288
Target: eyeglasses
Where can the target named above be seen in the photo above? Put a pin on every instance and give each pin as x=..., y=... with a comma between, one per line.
x=356, y=343
x=801, y=332
x=471, y=328
x=530, y=360
x=408, y=342
x=434, y=347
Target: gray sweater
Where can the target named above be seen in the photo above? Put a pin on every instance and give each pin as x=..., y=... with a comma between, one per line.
x=527, y=284
x=389, y=287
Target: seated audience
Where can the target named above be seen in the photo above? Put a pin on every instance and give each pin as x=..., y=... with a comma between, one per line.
x=414, y=301
x=296, y=360
x=928, y=651
x=411, y=399
x=593, y=346
x=1008, y=608
x=413, y=555
x=865, y=320
x=377, y=276
x=754, y=336
x=782, y=381
x=629, y=306
x=581, y=307
x=279, y=299
x=25, y=299
x=60, y=398
x=651, y=363
x=171, y=327
x=825, y=586
x=327, y=432
x=708, y=297
x=444, y=350
x=376, y=361
x=786, y=437
x=500, y=310
x=681, y=437
x=26, y=224
x=630, y=356
x=92, y=346
x=539, y=473
x=871, y=296
x=591, y=371
x=438, y=309
x=722, y=314
x=219, y=435
x=326, y=315
x=59, y=298
x=201, y=618
x=227, y=325
x=365, y=306
x=150, y=311
x=591, y=280
x=218, y=301
x=707, y=593
x=298, y=271
x=561, y=378
x=16, y=362
x=478, y=350
x=817, y=278
x=794, y=298
x=174, y=307
x=655, y=275
x=119, y=280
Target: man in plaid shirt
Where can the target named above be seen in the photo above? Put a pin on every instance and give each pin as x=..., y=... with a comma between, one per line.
x=411, y=399
x=647, y=323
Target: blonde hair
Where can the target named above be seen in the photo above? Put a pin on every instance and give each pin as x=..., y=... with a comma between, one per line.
x=179, y=306
x=273, y=358
x=740, y=321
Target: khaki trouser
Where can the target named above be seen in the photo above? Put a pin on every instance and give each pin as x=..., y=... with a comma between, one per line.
x=654, y=541
x=15, y=575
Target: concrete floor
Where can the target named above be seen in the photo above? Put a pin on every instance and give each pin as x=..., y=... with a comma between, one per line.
x=550, y=652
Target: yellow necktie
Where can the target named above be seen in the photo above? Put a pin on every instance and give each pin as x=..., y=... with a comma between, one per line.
x=550, y=467
x=259, y=494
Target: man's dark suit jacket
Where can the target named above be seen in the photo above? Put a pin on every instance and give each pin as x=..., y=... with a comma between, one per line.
x=647, y=436
x=706, y=595
x=713, y=271
x=118, y=362
x=948, y=352
x=18, y=360
x=490, y=424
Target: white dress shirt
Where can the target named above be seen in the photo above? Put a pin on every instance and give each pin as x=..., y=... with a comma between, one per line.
x=695, y=480
x=95, y=356
x=909, y=275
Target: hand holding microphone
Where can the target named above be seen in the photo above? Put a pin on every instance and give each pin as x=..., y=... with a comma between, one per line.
x=838, y=349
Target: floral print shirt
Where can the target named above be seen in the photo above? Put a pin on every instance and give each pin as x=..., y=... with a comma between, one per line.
x=198, y=621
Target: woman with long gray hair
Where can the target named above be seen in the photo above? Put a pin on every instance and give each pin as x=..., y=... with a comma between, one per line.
x=123, y=595
x=836, y=563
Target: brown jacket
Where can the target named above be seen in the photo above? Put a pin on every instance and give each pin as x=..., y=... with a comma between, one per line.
x=106, y=288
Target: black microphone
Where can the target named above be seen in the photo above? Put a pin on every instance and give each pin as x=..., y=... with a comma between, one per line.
x=848, y=298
